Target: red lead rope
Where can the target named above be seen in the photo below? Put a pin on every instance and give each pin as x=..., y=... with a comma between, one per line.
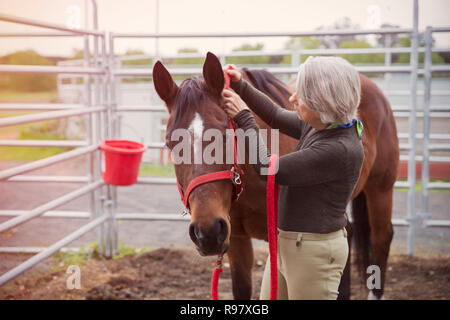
x=272, y=223
x=215, y=278
x=218, y=269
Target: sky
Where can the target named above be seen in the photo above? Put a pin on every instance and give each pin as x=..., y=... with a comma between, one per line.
x=184, y=16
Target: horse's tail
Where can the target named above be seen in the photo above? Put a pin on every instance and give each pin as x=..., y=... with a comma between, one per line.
x=361, y=233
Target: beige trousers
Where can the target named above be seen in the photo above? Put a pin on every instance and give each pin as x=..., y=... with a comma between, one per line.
x=310, y=265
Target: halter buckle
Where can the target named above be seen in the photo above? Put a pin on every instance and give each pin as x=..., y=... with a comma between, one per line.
x=219, y=261
x=236, y=177
x=185, y=212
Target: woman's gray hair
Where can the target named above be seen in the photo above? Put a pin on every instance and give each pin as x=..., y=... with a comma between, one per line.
x=330, y=86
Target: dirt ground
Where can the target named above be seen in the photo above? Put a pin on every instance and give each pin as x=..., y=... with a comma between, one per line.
x=168, y=273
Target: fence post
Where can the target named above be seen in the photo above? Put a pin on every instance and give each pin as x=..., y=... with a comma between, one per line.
x=99, y=132
x=387, y=62
x=223, y=60
x=108, y=238
x=115, y=129
x=90, y=127
x=411, y=203
x=108, y=242
x=424, y=214
x=112, y=190
x=295, y=61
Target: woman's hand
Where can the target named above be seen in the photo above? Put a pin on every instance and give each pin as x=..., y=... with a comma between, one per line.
x=233, y=103
x=234, y=75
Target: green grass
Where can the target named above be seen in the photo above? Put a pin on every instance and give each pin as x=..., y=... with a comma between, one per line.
x=125, y=251
x=6, y=114
x=11, y=96
x=42, y=130
x=12, y=132
x=18, y=96
x=90, y=251
x=418, y=188
x=31, y=153
x=78, y=258
x=148, y=169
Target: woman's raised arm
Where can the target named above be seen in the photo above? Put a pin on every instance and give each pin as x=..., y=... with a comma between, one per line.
x=276, y=117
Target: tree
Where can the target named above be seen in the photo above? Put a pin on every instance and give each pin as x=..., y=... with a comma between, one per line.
x=249, y=59
x=445, y=56
x=405, y=42
x=361, y=58
x=147, y=61
x=296, y=43
x=77, y=54
x=28, y=82
x=140, y=62
x=381, y=40
x=299, y=43
x=344, y=23
x=187, y=61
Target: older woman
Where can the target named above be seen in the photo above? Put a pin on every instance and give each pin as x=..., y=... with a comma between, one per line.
x=318, y=178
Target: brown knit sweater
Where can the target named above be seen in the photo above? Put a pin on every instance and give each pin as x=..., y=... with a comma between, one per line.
x=318, y=178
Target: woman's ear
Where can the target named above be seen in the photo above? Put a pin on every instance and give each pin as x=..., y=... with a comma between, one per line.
x=213, y=74
x=164, y=84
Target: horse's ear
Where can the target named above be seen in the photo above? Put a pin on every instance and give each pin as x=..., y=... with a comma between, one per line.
x=164, y=84
x=213, y=73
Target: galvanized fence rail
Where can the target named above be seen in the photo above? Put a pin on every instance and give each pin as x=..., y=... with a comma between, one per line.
x=101, y=199
x=103, y=114
x=424, y=215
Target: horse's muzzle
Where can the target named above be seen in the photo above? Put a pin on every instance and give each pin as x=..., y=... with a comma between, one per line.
x=210, y=241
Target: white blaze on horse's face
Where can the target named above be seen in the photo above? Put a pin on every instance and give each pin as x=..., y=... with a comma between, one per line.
x=196, y=127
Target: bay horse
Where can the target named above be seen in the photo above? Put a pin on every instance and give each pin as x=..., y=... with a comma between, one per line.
x=219, y=225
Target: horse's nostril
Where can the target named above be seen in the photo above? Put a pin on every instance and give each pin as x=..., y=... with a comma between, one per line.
x=197, y=235
x=222, y=230
x=193, y=232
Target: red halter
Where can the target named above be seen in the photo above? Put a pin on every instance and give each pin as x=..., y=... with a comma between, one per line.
x=235, y=174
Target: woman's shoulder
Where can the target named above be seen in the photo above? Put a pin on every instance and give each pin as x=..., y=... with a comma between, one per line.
x=352, y=146
x=342, y=142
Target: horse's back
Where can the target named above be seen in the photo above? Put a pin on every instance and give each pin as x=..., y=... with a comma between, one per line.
x=381, y=141
x=374, y=106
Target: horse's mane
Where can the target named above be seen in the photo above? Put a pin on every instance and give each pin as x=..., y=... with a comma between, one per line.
x=265, y=82
x=189, y=97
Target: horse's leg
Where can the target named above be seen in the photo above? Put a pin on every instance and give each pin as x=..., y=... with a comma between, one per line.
x=344, y=285
x=240, y=256
x=379, y=203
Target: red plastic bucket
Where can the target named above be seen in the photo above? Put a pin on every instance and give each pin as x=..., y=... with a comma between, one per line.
x=122, y=161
